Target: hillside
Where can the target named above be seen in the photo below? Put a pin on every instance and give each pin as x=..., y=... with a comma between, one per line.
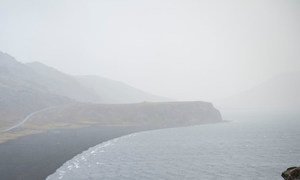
x=90, y=88
x=35, y=98
x=26, y=88
x=62, y=84
x=20, y=92
x=116, y=92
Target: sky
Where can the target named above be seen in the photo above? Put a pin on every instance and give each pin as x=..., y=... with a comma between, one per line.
x=181, y=49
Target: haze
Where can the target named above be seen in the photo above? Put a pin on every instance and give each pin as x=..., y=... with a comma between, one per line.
x=186, y=50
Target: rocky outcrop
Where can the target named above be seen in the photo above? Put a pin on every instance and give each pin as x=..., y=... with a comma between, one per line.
x=292, y=173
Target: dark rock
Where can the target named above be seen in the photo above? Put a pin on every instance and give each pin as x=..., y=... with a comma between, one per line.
x=292, y=173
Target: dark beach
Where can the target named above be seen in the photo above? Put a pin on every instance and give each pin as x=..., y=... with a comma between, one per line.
x=36, y=156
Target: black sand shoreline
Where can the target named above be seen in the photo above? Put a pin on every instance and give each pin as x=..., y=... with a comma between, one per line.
x=39, y=155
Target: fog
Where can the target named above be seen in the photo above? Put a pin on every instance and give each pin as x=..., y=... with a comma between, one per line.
x=185, y=50
x=156, y=89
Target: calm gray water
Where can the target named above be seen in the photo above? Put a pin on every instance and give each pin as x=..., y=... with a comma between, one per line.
x=258, y=148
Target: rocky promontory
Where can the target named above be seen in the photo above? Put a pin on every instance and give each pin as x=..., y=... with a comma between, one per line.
x=292, y=173
x=158, y=114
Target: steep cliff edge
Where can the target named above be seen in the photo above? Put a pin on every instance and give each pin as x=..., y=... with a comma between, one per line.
x=163, y=114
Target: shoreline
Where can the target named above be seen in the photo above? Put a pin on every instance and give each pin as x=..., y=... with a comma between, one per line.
x=37, y=156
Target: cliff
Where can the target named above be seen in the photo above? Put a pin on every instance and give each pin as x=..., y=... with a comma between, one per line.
x=163, y=114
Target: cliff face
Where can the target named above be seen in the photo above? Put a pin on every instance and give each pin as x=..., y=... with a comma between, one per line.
x=164, y=114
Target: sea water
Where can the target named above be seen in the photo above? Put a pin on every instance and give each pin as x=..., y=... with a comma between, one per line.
x=257, y=148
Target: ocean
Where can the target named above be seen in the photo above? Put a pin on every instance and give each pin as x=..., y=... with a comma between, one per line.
x=255, y=147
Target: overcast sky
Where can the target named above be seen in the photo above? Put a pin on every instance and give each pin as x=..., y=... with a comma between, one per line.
x=183, y=49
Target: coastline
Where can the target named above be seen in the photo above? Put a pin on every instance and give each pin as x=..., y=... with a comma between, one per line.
x=36, y=156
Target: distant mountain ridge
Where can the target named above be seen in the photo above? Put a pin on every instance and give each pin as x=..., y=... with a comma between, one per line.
x=62, y=84
x=25, y=88
x=280, y=93
x=91, y=88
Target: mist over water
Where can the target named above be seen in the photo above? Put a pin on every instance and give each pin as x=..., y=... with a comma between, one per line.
x=75, y=73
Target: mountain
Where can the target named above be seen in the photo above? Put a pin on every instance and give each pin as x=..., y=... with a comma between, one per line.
x=280, y=93
x=21, y=93
x=62, y=84
x=25, y=88
x=90, y=88
x=46, y=98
